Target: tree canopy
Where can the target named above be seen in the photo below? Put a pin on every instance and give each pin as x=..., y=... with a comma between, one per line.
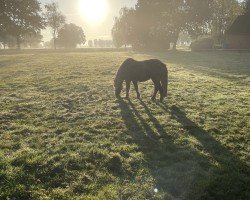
x=124, y=27
x=70, y=35
x=19, y=18
x=247, y=6
x=155, y=24
x=224, y=13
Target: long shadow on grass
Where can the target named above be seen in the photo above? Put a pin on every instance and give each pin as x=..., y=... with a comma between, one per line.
x=180, y=171
x=230, y=180
x=173, y=167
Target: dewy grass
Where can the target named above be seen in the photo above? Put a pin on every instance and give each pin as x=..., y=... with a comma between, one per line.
x=63, y=134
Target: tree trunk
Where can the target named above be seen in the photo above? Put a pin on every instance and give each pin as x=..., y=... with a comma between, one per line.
x=176, y=39
x=18, y=42
x=174, y=45
x=54, y=36
x=55, y=43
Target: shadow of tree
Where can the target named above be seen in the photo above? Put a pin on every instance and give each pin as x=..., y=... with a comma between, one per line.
x=182, y=172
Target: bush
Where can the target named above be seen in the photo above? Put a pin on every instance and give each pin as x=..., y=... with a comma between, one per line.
x=202, y=44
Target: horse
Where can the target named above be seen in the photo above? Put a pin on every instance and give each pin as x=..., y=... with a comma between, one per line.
x=140, y=71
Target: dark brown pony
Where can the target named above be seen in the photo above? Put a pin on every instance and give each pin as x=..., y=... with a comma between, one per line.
x=134, y=71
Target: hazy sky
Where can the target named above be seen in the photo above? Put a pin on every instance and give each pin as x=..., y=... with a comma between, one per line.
x=70, y=8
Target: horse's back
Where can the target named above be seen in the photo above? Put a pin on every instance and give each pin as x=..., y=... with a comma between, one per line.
x=142, y=70
x=155, y=67
x=151, y=63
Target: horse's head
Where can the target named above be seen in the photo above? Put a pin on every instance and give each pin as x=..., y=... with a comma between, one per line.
x=118, y=86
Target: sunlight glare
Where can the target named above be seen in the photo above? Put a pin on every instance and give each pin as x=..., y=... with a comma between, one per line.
x=93, y=11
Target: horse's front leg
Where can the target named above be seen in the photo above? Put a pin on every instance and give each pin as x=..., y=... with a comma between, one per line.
x=127, y=88
x=136, y=89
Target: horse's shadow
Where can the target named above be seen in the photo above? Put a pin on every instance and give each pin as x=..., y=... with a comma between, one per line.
x=180, y=171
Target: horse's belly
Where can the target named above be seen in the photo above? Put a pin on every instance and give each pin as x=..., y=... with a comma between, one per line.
x=143, y=79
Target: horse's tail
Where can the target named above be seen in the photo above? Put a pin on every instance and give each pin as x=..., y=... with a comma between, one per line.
x=164, y=81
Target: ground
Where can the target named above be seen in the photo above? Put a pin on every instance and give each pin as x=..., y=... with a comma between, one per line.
x=64, y=135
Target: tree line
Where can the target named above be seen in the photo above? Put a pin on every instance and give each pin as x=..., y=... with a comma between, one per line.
x=21, y=22
x=100, y=43
x=155, y=24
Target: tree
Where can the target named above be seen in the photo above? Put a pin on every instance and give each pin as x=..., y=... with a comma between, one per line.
x=247, y=6
x=70, y=35
x=123, y=27
x=152, y=25
x=55, y=19
x=101, y=43
x=19, y=18
x=49, y=44
x=8, y=41
x=95, y=42
x=171, y=17
x=3, y=22
x=108, y=43
x=90, y=43
x=32, y=40
x=224, y=13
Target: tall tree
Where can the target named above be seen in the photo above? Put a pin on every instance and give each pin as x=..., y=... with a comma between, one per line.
x=174, y=16
x=90, y=43
x=20, y=17
x=224, y=13
x=32, y=40
x=55, y=19
x=70, y=35
x=95, y=42
x=154, y=24
x=3, y=34
x=123, y=27
x=247, y=6
x=8, y=41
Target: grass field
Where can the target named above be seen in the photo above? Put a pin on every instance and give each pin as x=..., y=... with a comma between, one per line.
x=63, y=135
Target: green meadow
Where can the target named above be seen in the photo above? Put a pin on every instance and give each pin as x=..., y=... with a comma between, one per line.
x=64, y=135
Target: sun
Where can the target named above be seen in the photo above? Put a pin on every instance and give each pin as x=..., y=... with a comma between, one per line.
x=93, y=11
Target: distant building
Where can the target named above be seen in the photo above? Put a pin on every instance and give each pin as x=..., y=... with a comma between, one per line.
x=238, y=35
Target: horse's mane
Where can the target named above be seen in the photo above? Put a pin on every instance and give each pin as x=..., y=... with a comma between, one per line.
x=123, y=65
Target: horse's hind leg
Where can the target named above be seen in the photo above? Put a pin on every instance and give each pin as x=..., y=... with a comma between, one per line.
x=156, y=88
x=154, y=93
x=136, y=89
x=161, y=93
x=127, y=88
